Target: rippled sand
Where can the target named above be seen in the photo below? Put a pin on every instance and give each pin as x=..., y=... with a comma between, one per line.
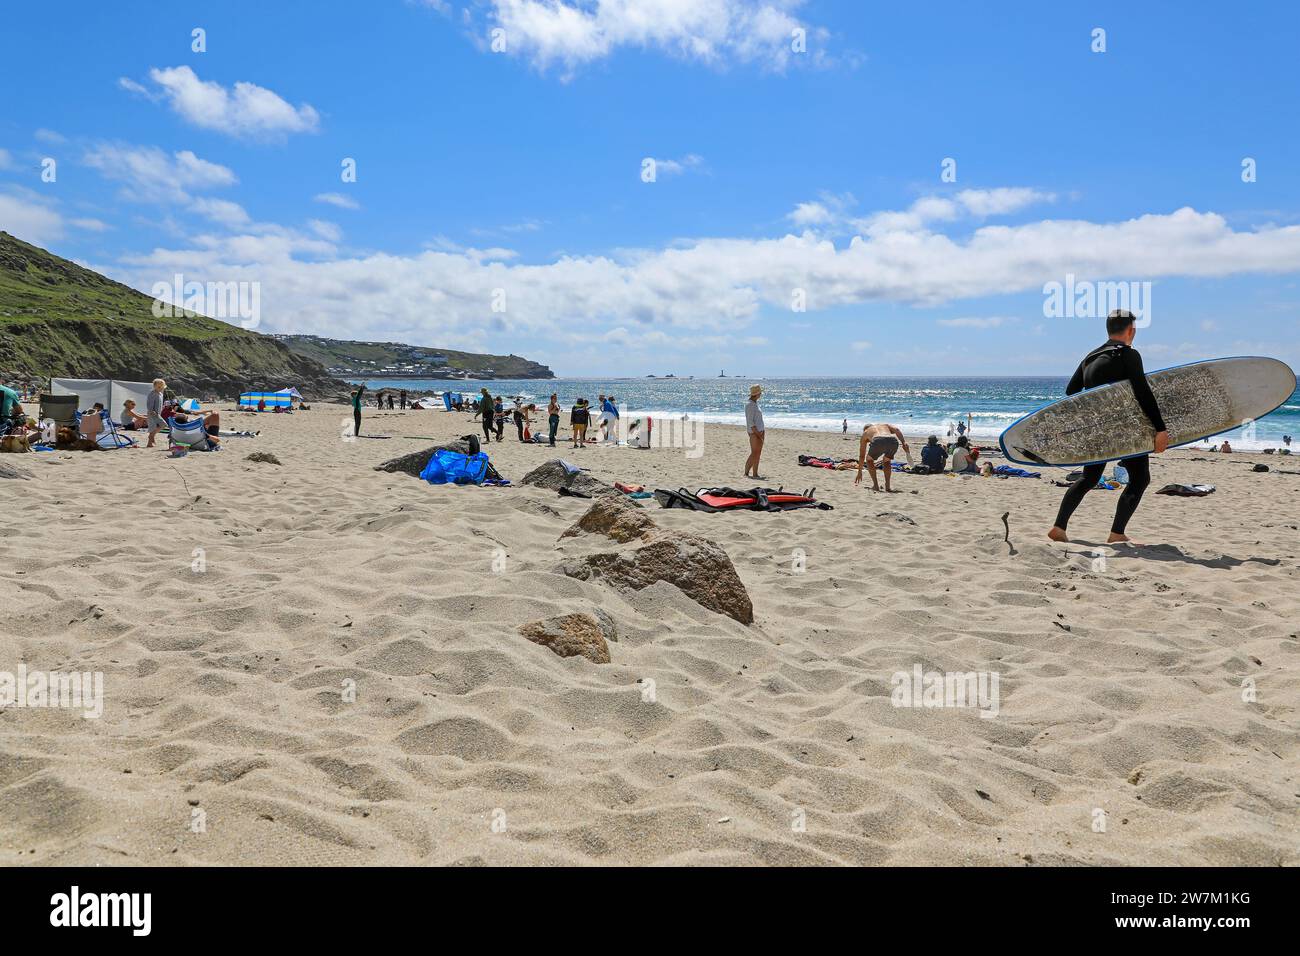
x=231, y=605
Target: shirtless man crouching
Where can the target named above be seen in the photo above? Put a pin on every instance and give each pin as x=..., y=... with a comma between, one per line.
x=879, y=442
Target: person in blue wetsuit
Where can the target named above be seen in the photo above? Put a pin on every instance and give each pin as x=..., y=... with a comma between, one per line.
x=1114, y=361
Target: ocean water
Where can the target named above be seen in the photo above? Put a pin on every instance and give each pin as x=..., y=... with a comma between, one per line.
x=920, y=406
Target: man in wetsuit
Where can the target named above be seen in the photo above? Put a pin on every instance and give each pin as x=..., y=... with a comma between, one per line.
x=1115, y=361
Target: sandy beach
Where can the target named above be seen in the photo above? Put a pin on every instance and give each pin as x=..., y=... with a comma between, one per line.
x=1147, y=708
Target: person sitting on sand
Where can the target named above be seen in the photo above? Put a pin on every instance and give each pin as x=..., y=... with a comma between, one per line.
x=879, y=442
x=212, y=425
x=934, y=456
x=1226, y=449
x=965, y=459
x=11, y=409
x=131, y=419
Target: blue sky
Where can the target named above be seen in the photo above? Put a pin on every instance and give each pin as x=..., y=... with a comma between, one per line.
x=499, y=202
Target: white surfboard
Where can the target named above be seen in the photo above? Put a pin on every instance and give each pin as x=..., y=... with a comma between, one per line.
x=1106, y=423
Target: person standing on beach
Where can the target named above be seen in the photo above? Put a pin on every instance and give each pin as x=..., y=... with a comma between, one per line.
x=579, y=418
x=1114, y=361
x=402, y=399
x=553, y=416
x=356, y=410
x=844, y=428
x=879, y=442
x=499, y=416
x=485, y=412
x=154, y=406
x=756, y=431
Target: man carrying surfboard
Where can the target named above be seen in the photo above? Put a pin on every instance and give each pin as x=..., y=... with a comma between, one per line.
x=1114, y=361
x=879, y=441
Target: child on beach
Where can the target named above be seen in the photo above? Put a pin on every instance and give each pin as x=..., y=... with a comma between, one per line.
x=155, y=410
x=579, y=417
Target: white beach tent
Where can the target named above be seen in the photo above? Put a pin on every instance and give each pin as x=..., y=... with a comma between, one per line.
x=109, y=392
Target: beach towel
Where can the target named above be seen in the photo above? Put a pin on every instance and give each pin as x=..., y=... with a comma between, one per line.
x=451, y=467
x=1015, y=472
x=1187, y=491
x=729, y=499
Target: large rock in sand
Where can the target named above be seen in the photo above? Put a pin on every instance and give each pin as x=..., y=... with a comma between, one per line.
x=573, y=635
x=696, y=566
x=417, y=461
x=616, y=518
x=555, y=477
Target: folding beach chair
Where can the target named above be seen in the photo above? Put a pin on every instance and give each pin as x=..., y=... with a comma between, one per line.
x=62, y=409
x=192, y=435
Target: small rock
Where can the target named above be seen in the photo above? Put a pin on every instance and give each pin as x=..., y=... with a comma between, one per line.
x=263, y=456
x=696, y=566
x=572, y=635
x=615, y=518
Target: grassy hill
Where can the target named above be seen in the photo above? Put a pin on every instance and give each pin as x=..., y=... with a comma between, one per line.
x=58, y=319
x=395, y=360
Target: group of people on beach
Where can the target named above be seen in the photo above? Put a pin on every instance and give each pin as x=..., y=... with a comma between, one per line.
x=160, y=413
x=492, y=414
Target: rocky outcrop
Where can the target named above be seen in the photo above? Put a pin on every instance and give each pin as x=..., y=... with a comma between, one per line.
x=616, y=518
x=417, y=461
x=553, y=475
x=574, y=635
x=696, y=566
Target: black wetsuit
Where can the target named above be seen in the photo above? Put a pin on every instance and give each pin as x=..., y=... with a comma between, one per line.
x=1113, y=362
x=485, y=409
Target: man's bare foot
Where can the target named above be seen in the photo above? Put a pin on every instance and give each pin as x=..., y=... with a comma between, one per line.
x=1121, y=539
x=1058, y=534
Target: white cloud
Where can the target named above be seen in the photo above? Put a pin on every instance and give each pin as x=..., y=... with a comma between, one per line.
x=711, y=285
x=91, y=225
x=150, y=175
x=325, y=229
x=245, y=110
x=29, y=218
x=50, y=136
x=992, y=322
x=716, y=32
x=1209, y=326
x=675, y=167
x=1000, y=202
x=6, y=160
x=860, y=346
x=831, y=213
x=223, y=212
x=337, y=199
x=810, y=214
